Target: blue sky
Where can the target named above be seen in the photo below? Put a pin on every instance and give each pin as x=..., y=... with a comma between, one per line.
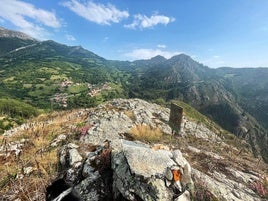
x=214, y=32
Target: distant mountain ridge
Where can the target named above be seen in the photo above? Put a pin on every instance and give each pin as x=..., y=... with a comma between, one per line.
x=227, y=101
x=5, y=33
x=33, y=71
x=11, y=40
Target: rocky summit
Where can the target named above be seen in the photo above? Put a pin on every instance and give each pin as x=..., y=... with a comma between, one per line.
x=124, y=149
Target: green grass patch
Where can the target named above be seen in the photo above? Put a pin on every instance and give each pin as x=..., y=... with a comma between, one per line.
x=13, y=108
x=9, y=79
x=75, y=89
x=192, y=113
x=58, y=77
x=48, y=70
x=27, y=86
x=42, y=90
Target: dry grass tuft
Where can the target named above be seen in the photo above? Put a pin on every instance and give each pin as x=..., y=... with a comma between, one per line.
x=130, y=114
x=36, y=154
x=146, y=133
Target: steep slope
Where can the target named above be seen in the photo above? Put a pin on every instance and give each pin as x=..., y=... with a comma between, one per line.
x=251, y=85
x=12, y=40
x=46, y=70
x=206, y=89
x=94, y=153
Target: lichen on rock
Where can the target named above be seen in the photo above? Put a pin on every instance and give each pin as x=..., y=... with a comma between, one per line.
x=140, y=170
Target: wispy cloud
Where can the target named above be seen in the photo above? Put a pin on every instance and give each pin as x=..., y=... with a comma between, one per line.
x=213, y=61
x=105, y=38
x=28, y=18
x=161, y=46
x=149, y=53
x=70, y=37
x=97, y=13
x=142, y=21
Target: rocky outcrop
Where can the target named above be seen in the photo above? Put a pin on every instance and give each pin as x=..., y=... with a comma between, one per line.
x=105, y=165
x=226, y=189
x=132, y=172
x=140, y=172
x=5, y=33
x=83, y=178
x=111, y=120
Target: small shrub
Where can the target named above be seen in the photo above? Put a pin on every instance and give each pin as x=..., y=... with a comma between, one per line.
x=83, y=130
x=146, y=133
x=201, y=192
x=80, y=124
x=261, y=187
x=103, y=161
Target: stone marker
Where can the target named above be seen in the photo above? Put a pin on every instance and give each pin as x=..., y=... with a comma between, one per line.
x=175, y=117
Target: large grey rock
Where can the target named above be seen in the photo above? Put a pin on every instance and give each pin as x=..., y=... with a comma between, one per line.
x=74, y=156
x=141, y=172
x=68, y=155
x=58, y=140
x=90, y=179
x=14, y=148
x=224, y=188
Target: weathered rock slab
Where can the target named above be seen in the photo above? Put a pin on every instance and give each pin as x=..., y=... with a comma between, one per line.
x=147, y=174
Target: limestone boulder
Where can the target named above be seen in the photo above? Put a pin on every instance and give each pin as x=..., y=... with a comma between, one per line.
x=85, y=176
x=140, y=172
x=69, y=156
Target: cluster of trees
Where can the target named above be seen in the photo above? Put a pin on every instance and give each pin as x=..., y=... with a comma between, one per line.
x=14, y=112
x=16, y=108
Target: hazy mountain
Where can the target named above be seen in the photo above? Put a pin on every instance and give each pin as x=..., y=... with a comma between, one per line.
x=235, y=104
x=251, y=85
x=34, y=71
x=12, y=40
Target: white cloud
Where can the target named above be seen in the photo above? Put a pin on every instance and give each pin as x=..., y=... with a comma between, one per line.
x=142, y=21
x=98, y=13
x=213, y=61
x=105, y=39
x=70, y=37
x=29, y=19
x=149, y=53
x=161, y=46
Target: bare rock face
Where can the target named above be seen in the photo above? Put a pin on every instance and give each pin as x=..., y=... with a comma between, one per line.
x=140, y=172
x=83, y=178
x=69, y=155
x=4, y=33
x=133, y=171
x=109, y=120
x=226, y=189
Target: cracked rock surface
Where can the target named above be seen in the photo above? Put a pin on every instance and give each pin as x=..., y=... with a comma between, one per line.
x=140, y=171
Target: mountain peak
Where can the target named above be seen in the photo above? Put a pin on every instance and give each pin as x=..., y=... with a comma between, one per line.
x=6, y=33
x=181, y=56
x=158, y=58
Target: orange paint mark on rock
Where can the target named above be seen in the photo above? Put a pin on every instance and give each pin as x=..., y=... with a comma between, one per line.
x=176, y=175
